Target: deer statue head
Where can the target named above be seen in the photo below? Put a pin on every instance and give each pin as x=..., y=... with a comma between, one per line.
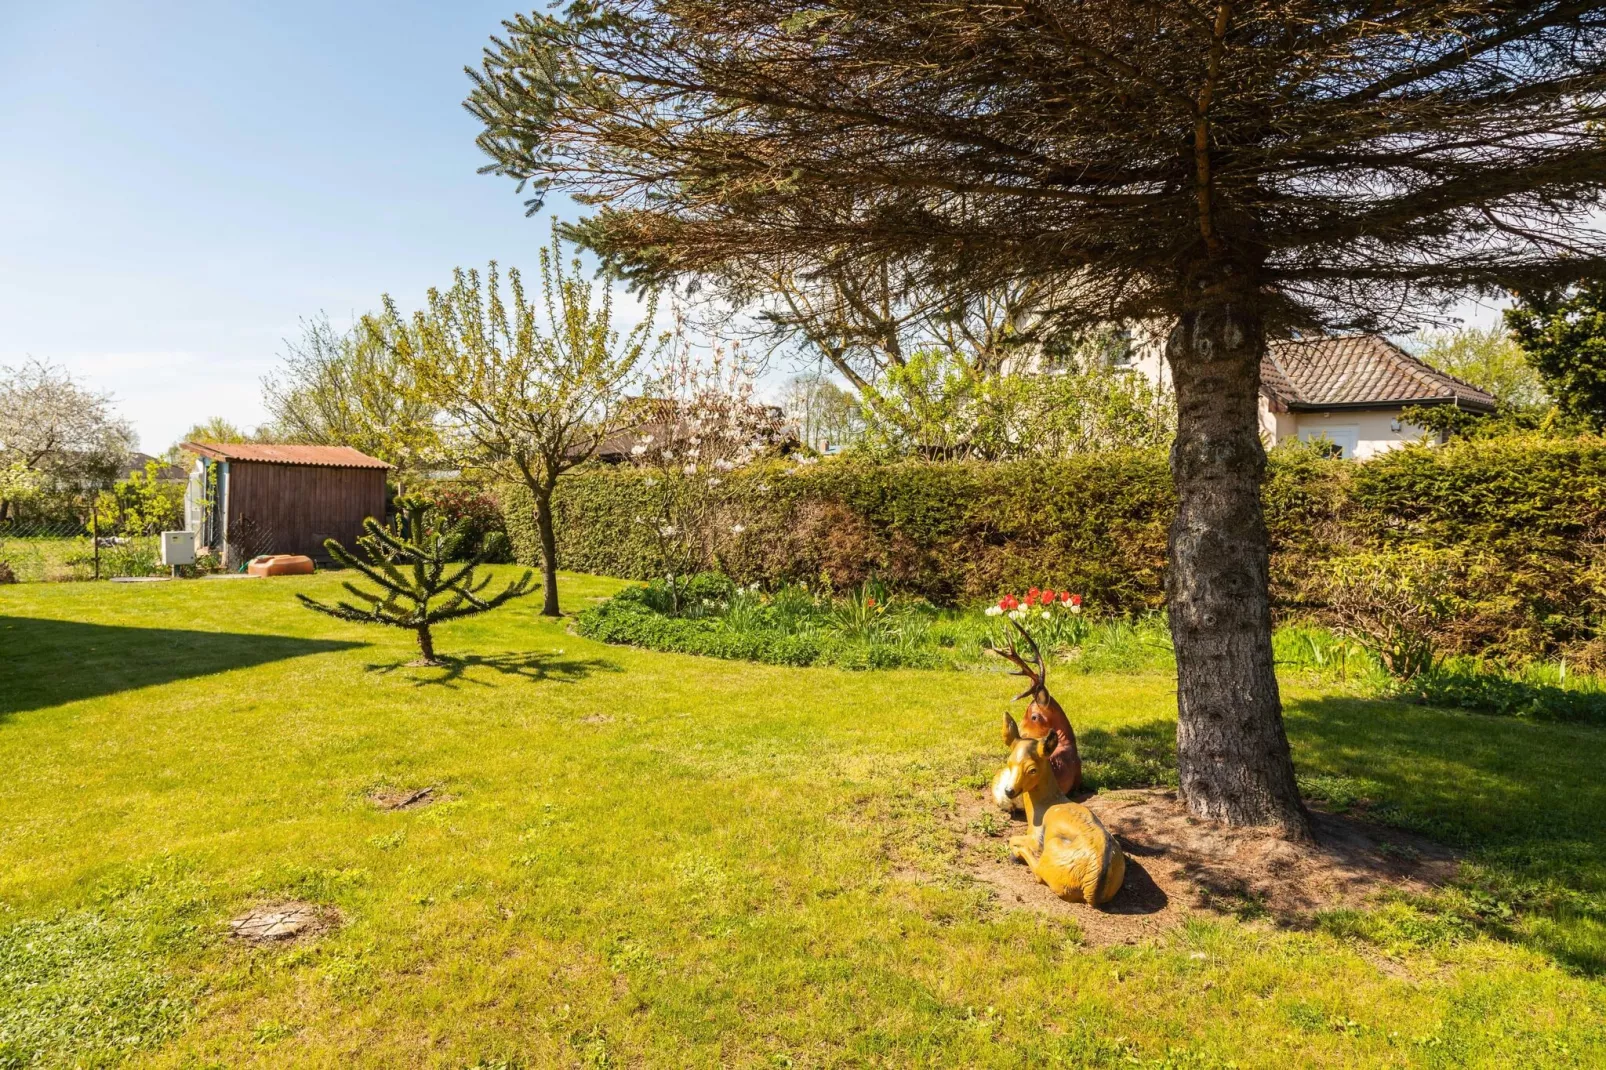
x=1044, y=717
x=1026, y=771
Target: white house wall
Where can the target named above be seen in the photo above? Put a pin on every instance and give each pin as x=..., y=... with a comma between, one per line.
x=1374, y=431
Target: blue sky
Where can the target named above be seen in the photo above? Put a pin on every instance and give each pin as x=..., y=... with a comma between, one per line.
x=182, y=182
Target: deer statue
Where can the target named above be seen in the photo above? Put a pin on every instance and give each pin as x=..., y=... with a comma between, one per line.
x=1043, y=716
x=1067, y=847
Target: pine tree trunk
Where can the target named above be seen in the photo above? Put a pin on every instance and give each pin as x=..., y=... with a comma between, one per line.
x=426, y=645
x=549, y=552
x=1232, y=751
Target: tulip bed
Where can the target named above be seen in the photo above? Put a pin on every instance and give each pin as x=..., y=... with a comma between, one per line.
x=866, y=628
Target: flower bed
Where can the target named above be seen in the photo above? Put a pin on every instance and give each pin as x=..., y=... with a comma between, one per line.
x=866, y=628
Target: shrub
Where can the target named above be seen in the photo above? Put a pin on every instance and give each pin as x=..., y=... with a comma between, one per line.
x=1463, y=684
x=473, y=510
x=1394, y=602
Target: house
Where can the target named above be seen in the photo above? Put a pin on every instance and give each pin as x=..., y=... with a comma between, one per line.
x=165, y=473
x=661, y=421
x=1356, y=391
x=249, y=498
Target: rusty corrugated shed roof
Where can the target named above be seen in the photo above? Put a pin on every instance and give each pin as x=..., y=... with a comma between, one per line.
x=266, y=453
x=1357, y=371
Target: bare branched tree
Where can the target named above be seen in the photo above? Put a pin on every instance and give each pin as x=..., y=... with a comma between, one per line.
x=1240, y=169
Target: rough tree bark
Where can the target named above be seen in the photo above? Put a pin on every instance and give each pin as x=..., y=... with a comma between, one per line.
x=549, y=551
x=1232, y=751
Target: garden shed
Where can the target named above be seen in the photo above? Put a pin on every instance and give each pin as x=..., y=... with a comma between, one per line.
x=251, y=498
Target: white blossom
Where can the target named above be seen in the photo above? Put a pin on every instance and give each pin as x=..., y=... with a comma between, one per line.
x=667, y=531
x=1047, y=615
x=714, y=481
x=690, y=469
x=737, y=529
x=1076, y=609
x=1016, y=614
x=994, y=611
x=637, y=451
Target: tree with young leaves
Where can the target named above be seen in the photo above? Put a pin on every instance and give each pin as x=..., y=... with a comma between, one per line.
x=346, y=388
x=1563, y=332
x=525, y=392
x=422, y=581
x=1238, y=170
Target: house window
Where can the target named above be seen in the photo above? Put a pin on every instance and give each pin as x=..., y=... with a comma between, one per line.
x=1119, y=351
x=1347, y=437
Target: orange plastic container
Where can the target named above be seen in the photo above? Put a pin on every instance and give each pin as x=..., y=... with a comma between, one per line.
x=280, y=565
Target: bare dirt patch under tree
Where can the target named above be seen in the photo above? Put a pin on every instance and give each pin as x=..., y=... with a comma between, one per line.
x=1178, y=866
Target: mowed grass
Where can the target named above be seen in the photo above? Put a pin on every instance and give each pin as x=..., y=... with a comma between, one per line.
x=660, y=860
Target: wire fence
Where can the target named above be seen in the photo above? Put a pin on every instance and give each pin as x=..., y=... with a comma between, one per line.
x=56, y=551
x=39, y=551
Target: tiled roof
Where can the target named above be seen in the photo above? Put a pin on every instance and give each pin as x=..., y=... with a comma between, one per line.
x=263, y=453
x=1356, y=371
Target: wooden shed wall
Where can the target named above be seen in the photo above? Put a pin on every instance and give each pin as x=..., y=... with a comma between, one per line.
x=301, y=505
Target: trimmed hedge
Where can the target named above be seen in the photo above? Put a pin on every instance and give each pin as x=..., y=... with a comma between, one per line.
x=960, y=533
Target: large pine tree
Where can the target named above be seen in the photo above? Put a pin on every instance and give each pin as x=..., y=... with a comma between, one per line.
x=1237, y=169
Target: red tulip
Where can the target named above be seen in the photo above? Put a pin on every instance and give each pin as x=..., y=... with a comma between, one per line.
x=1076, y=599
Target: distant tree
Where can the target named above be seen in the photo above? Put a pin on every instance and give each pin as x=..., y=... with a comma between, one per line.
x=420, y=578
x=1490, y=360
x=522, y=403
x=56, y=434
x=1240, y=170
x=221, y=429
x=1563, y=331
x=347, y=388
x=141, y=504
x=826, y=416
x=936, y=405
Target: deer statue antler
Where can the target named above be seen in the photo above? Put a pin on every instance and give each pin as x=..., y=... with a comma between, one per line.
x=1044, y=716
x=1012, y=654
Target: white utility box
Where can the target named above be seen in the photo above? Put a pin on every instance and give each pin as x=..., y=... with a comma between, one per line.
x=178, y=547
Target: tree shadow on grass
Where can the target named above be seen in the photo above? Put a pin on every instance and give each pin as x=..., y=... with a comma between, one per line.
x=1526, y=800
x=527, y=666
x=1133, y=756
x=47, y=662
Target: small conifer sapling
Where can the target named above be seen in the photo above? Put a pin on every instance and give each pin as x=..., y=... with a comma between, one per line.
x=421, y=582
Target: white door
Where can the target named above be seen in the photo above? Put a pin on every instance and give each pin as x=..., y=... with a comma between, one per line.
x=1347, y=437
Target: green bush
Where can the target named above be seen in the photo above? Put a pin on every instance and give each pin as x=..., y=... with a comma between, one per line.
x=1532, y=509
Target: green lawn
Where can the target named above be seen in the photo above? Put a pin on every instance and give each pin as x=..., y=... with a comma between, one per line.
x=659, y=860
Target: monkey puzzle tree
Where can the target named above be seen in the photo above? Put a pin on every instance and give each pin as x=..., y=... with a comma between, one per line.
x=1235, y=169
x=524, y=404
x=421, y=582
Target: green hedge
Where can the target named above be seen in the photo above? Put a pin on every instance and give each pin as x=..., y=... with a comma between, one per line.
x=958, y=533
